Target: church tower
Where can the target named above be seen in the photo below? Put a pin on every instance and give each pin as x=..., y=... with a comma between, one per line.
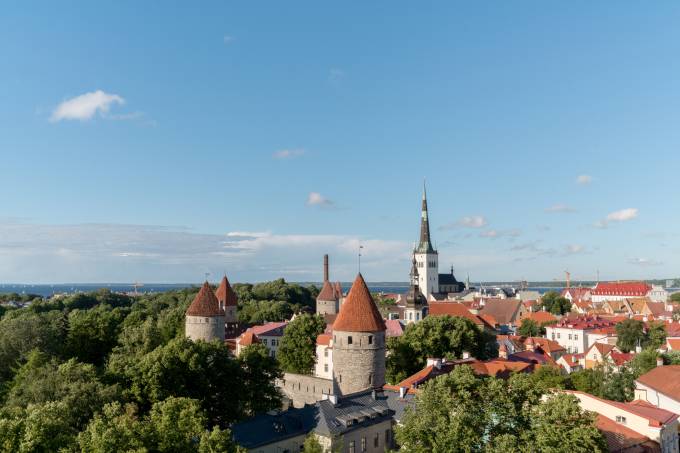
x=204, y=317
x=427, y=259
x=358, y=342
x=416, y=304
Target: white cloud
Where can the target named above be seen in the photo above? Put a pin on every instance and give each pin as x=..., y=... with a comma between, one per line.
x=644, y=262
x=573, y=249
x=584, y=179
x=110, y=252
x=560, y=208
x=622, y=215
x=494, y=234
x=288, y=153
x=85, y=106
x=475, y=221
x=316, y=199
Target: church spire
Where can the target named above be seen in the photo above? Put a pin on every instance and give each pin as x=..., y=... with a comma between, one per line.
x=425, y=246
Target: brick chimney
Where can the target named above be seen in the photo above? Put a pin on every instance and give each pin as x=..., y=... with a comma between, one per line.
x=325, y=268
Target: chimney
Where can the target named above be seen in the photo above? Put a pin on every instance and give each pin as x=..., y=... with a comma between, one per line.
x=659, y=361
x=503, y=351
x=402, y=392
x=325, y=268
x=466, y=355
x=437, y=363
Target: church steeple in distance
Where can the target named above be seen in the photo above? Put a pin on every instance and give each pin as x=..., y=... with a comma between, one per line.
x=425, y=245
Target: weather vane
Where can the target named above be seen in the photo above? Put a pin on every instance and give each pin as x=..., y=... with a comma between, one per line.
x=360, y=247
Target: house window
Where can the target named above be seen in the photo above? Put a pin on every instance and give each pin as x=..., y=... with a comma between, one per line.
x=325, y=368
x=264, y=341
x=558, y=336
x=370, y=339
x=387, y=437
x=570, y=336
x=363, y=444
x=417, y=316
x=376, y=440
x=349, y=339
x=575, y=336
x=325, y=352
x=620, y=419
x=351, y=446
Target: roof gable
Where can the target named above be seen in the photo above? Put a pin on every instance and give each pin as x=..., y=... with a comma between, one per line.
x=226, y=294
x=205, y=303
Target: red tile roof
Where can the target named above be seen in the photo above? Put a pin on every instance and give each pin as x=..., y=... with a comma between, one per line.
x=453, y=309
x=248, y=338
x=328, y=292
x=584, y=323
x=621, y=289
x=205, y=303
x=504, y=310
x=226, y=294
x=539, y=317
x=621, y=358
x=323, y=339
x=270, y=329
x=673, y=343
x=358, y=312
x=664, y=379
x=621, y=438
x=572, y=359
x=394, y=328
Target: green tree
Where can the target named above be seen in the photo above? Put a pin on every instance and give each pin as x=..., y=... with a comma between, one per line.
x=656, y=334
x=259, y=371
x=630, y=333
x=605, y=382
x=559, y=425
x=554, y=303
x=529, y=328
x=435, y=336
x=644, y=361
x=92, y=333
x=549, y=377
x=671, y=358
x=38, y=428
x=177, y=424
x=312, y=445
x=218, y=441
x=116, y=428
x=296, y=353
x=675, y=297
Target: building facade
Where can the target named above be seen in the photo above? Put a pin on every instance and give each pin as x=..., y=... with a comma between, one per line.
x=205, y=319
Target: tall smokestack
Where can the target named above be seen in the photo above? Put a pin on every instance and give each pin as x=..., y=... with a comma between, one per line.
x=325, y=268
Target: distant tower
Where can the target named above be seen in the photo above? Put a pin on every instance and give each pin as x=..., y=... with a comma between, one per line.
x=427, y=259
x=228, y=302
x=205, y=318
x=358, y=342
x=416, y=304
x=328, y=300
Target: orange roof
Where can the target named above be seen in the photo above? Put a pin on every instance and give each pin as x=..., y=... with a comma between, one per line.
x=453, y=309
x=548, y=346
x=540, y=317
x=359, y=313
x=328, y=292
x=323, y=339
x=248, y=338
x=664, y=379
x=621, y=289
x=205, y=303
x=226, y=294
x=500, y=368
x=572, y=359
x=603, y=348
x=673, y=343
x=620, y=438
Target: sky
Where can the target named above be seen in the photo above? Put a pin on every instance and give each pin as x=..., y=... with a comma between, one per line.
x=158, y=142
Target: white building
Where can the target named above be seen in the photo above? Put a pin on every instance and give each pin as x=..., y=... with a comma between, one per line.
x=324, y=356
x=660, y=387
x=577, y=335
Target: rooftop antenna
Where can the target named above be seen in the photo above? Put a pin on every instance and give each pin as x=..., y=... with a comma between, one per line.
x=360, y=247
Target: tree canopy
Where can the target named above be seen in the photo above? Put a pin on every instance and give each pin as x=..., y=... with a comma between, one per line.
x=461, y=412
x=296, y=353
x=554, y=303
x=435, y=336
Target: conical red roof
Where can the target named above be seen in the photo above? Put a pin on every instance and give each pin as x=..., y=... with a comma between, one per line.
x=359, y=313
x=205, y=303
x=328, y=292
x=226, y=294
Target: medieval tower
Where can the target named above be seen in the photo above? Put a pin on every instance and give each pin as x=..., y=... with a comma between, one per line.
x=328, y=300
x=228, y=302
x=427, y=259
x=205, y=317
x=416, y=304
x=358, y=342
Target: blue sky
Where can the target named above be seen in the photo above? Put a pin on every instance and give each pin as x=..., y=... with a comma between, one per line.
x=160, y=142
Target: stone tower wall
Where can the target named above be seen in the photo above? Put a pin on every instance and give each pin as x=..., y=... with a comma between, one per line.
x=326, y=307
x=204, y=328
x=360, y=365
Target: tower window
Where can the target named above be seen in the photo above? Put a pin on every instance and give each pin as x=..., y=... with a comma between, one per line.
x=349, y=340
x=370, y=339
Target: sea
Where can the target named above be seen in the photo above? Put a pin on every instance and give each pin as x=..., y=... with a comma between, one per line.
x=47, y=290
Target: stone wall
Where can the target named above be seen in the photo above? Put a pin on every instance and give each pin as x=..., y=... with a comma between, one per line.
x=358, y=365
x=304, y=389
x=204, y=328
x=326, y=307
